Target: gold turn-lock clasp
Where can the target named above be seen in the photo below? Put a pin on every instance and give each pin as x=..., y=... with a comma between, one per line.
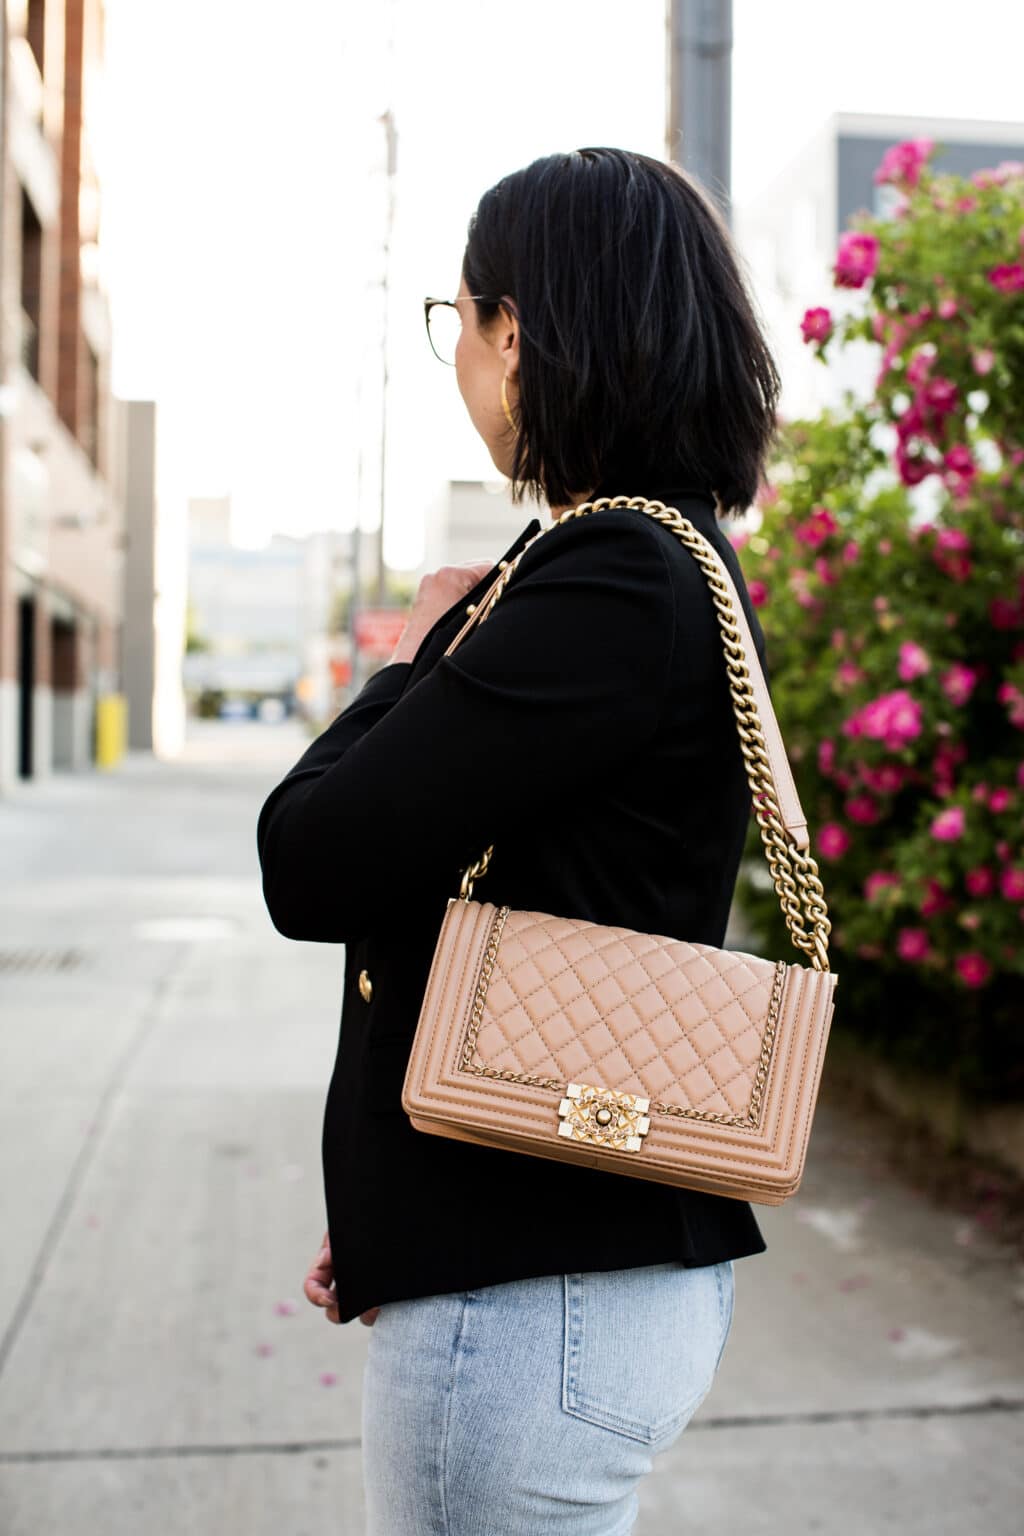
x=604, y=1117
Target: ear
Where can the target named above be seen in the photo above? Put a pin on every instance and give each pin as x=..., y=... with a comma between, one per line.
x=507, y=336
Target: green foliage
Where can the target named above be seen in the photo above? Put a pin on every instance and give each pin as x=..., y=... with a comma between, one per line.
x=896, y=641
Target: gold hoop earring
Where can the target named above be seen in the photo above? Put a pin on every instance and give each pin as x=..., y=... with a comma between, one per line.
x=505, y=405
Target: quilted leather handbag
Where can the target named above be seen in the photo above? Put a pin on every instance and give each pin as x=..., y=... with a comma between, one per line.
x=636, y=1052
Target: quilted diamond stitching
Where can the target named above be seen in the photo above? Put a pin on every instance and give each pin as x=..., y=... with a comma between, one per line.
x=529, y=937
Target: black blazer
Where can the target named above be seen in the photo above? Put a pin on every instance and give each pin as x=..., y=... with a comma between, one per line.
x=585, y=729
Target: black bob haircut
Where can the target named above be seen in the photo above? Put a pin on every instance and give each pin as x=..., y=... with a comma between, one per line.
x=640, y=354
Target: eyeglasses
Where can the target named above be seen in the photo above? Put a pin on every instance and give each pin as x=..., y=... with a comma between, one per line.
x=444, y=323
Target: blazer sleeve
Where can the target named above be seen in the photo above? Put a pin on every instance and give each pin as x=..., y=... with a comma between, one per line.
x=559, y=685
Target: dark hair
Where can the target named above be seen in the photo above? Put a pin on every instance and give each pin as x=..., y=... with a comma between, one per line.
x=640, y=353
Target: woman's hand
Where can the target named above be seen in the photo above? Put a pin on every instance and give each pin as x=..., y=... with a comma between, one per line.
x=436, y=593
x=320, y=1290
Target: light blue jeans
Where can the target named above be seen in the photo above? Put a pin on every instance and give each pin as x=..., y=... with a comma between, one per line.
x=535, y=1407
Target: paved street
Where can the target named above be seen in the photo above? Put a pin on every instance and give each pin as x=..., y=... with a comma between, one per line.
x=164, y=1055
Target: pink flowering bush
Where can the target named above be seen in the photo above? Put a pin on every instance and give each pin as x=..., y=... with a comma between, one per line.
x=896, y=645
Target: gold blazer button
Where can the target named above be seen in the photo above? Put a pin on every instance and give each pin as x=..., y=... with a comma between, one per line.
x=365, y=986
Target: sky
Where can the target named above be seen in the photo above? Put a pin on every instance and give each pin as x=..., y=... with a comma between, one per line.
x=242, y=158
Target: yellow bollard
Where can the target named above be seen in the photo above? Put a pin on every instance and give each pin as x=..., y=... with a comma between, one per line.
x=111, y=728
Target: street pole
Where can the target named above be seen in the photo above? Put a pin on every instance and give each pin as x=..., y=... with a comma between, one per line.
x=698, y=129
x=391, y=134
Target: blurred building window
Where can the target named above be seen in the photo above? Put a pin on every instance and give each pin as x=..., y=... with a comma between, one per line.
x=89, y=434
x=31, y=280
x=35, y=30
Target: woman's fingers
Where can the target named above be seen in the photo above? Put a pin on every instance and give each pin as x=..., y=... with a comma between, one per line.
x=320, y=1277
x=320, y=1288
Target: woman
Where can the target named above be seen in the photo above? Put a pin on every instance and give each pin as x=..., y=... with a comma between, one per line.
x=540, y=1329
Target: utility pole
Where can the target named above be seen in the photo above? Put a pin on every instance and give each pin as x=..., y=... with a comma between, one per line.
x=391, y=135
x=698, y=128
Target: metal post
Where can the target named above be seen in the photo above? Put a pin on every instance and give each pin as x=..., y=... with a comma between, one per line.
x=698, y=132
x=388, y=121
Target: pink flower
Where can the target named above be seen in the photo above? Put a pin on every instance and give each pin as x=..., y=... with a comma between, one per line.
x=912, y=467
x=824, y=572
x=833, y=840
x=947, y=308
x=1000, y=799
x=826, y=756
x=889, y=356
x=1010, y=695
x=951, y=544
x=848, y=674
x=920, y=363
x=960, y=467
x=851, y=551
x=893, y=718
x=816, y=529
x=958, y=683
x=965, y=204
x=1008, y=278
x=1011, y=882
x=758, y=593
x=863, y=810
x=982, y=360
x=856, y=259
x=1003, y=613
x=816, y=325
x=885, y=778
x=973, y=969
x=912, y=944
x=914, y=661
x=979, y=880
x=911, y=422
x=940, y=395
x=879, y=880
x=934, y=899
x=948, y=825
x=902, y=164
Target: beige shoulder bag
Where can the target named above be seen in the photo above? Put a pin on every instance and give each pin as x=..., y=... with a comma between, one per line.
x=638, y=1052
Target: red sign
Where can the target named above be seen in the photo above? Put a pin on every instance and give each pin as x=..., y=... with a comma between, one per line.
x=377, y=630
x=341, y=671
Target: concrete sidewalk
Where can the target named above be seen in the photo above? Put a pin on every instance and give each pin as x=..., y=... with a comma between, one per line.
x=163, y=1062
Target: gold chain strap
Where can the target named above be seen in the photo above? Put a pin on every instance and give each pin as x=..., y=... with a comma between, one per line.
x=794, y=872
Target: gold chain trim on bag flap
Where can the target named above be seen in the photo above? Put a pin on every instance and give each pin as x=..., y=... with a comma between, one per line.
x=794, y=872
x=750, y=1118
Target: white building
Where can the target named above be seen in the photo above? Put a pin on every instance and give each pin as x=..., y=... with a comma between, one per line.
x=475, y=520
x=261, y=618
x=788, y=236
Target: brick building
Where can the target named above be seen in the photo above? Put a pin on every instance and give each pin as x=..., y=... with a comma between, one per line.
x=61, y=434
